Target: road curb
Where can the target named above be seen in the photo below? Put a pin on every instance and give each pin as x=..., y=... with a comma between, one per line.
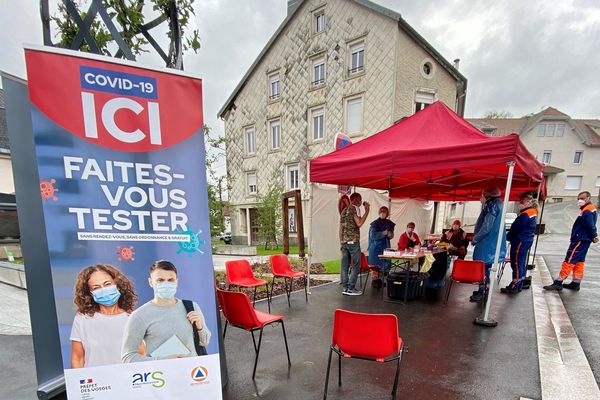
x=564, y=369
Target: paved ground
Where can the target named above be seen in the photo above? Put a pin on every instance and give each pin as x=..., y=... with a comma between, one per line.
x=448, y=358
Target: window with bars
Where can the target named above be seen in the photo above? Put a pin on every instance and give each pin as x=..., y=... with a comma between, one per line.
x=275, y=129
x=357, y=58
x=318, y=71
x=274, y=87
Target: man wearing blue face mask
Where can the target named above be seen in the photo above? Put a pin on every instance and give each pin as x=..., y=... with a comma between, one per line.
x=165, y=322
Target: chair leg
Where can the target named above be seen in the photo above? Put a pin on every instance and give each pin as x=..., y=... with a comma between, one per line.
x=225, y=329
x=287, y=350
x=272, y=286
x=364, y=289
x=395, y=388
x=257, y=352
x=289, y=291
x=254, y=297
x=306, y=287
x=268, y=297
x=448, y=292
x=327, y=374
x=339, y=370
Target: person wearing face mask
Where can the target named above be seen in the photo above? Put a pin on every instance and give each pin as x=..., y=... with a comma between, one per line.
x=520, y=236
x=583, y=234
x=381, y=232
x=104, y=298
x=485, y=236
x=457, y=240
x=409, y=239
x=163, y=317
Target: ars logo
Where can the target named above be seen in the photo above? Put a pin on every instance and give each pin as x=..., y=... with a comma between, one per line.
x=199, y=374
x=154, y=378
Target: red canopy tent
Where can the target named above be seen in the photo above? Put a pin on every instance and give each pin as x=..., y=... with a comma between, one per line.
x=436, y=155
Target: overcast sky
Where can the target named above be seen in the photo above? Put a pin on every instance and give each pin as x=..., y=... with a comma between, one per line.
x=519, y=56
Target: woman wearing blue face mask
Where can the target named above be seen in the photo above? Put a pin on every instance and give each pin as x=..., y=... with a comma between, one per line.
x=165, y=324
x=104, y=298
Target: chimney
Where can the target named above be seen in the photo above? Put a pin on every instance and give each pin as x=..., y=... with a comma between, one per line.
x=456, y=62
x=292, y=5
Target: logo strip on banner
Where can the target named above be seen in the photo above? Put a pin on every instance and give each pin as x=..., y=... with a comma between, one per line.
x=121, y=161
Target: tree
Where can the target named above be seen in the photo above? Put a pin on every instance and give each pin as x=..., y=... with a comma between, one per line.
x=498, y=114
x=217, y=185
x=269, y=215
x=130, y=19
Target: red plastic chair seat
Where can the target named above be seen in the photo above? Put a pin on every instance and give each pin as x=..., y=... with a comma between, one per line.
x=281, y=268
x=264, y=318
x=292, y=274
x=249, y=282
x=351, y=339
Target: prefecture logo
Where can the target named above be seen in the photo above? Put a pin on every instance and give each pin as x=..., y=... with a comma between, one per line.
x=200, y=374
x=88, y=387
x=153, y=378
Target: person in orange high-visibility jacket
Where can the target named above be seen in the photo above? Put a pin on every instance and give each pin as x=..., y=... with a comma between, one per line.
x=520, y=235
x=582, y=235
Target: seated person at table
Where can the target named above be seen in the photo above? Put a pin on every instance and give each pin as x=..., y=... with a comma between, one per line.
x=409, y=239
x=457, y=240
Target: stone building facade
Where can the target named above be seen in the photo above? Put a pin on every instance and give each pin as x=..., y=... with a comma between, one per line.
x=332, y=66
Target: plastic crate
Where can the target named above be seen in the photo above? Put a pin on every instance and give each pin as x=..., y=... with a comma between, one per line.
x=396, y=285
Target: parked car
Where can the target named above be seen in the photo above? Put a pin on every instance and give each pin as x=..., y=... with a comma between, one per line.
x=509, y=219
x=225, y=237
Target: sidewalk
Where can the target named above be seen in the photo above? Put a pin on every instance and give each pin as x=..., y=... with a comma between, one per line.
x=448, y=357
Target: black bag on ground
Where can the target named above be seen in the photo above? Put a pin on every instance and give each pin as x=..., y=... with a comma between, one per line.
x=200, y=350
x=396, y=285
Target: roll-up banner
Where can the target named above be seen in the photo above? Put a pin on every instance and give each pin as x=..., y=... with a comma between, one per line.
x=121, y=161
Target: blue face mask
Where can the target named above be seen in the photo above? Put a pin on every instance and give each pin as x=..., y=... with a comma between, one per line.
x=165, y=290
x=106, y=296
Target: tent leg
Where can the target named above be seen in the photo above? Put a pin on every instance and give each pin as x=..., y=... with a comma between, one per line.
x=485, y=320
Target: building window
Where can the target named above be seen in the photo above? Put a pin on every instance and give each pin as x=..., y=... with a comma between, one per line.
x=250, y=148
x=318, y=124
x=422, y=100
x=578, y=158
x=293, y=177
x=251, y=179
x=319, y=21
x=318, y=70
x=274, y=86
x=487, y=131
x=243, y=222
x=573, y=182
x=551, y=130
x=357, y=58
x=598, y=181
x=546, y=156
x=275, y=129
x=541, y=130
x=354, y=115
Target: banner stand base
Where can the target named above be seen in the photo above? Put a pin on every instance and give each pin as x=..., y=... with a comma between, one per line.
x=490, y=323
x=52, y=388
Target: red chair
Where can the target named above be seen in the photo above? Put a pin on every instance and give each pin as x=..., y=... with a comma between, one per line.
x=239, y=273
x=368, y=268
x=464, y=271
x=239, y=312
x=372, y=337
x=281, y=268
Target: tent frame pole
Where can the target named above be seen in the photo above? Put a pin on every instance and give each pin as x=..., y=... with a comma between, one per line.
x=486, y=321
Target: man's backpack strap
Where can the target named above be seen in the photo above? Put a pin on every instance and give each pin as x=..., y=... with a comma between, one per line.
x=200, y=350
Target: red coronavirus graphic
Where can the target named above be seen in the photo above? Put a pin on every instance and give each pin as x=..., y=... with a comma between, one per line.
x=48, y=190
x=126, y=253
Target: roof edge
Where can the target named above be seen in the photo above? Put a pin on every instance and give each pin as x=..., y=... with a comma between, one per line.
x=405, y=26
